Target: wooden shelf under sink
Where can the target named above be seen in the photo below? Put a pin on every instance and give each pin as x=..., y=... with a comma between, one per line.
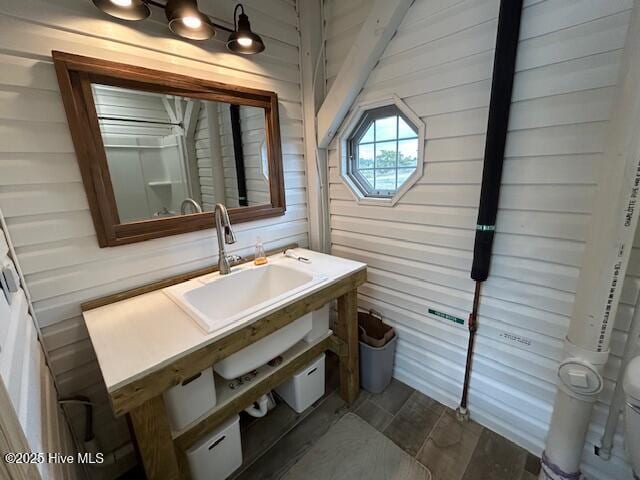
x=231, y=401
x=140, y=396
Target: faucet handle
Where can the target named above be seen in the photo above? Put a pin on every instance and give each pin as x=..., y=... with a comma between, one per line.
x=234, y=259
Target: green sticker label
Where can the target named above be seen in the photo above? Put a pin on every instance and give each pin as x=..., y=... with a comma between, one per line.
x=486, y=228
x=446, y=316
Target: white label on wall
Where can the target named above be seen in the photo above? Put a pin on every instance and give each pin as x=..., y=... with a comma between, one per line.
x=513, y=338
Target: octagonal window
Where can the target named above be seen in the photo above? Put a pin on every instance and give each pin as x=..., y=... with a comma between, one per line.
x=382, y=151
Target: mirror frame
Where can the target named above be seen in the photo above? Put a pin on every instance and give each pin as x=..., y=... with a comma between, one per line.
x=76, y=74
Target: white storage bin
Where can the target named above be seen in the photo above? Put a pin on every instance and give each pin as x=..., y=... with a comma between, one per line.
x=305, y=387
x=217, y=455
x=319, y=323
x=191, y=399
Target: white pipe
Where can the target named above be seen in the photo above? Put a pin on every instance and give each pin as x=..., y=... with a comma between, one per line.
x=609, y=242
x=259, y=408
x=574, y=427
x=617, y=404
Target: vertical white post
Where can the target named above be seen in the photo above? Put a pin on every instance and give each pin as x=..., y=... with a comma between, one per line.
x=215, y=151
x=310, y=28
x=606, y=256
x=190, y=122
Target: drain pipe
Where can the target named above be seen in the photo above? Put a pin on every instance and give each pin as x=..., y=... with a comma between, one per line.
x=617, y=404
x=462, y=412
x=504, y=64
x=609, y=241
x=89, y=442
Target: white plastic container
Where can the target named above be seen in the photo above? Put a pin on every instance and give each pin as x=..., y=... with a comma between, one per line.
x=319, y=323
x=191, y=399
x=217, y=455
x=304, y=387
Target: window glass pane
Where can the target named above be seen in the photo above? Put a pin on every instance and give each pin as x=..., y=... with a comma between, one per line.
x=385, y=154
x=408, y=153
x=385, y=179
x=368, y=176
x=386, y=128
x=365, y=156
x=368, y=135
x=404, y=130
x=404, y=174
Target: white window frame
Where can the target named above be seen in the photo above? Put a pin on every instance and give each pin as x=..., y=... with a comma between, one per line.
x=362, y=194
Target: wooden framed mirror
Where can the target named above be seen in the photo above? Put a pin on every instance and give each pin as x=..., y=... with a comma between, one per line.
x=158, y=150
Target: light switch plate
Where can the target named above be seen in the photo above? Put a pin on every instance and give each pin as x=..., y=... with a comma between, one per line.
x=11, y=277
x=4, y=287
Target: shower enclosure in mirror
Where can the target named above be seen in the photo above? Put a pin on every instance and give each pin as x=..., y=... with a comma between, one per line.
x=171, y=155
x=158, y=150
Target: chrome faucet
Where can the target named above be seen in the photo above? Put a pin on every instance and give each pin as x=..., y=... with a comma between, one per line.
x=195, y=206
x=225, y=262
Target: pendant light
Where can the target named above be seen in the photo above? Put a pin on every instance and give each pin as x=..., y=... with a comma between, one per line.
x=124, y=9
x=243, y=40
x=187, y=21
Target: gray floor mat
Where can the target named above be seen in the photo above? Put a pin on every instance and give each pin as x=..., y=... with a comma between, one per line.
x=354, y=450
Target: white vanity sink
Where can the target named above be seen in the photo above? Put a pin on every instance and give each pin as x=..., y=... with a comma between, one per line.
x=158, y=322
x=217, y=301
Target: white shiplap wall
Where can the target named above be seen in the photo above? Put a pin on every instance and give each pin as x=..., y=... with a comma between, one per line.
x=252, y=126
x=205, y=161
x=41, y=191
x=419, y=252
x=27, y=392
x=343, y=20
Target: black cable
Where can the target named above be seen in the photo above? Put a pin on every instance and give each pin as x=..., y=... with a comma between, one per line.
x=235, y=15
x=88, y=411
x=133, y=120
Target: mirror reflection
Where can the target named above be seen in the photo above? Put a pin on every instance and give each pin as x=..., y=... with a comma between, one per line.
x=170, y=155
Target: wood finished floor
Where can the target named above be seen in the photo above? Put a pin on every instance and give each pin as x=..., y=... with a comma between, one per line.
x=425, y=429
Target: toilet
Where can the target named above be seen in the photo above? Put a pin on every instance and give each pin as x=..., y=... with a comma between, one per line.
x=631, y=386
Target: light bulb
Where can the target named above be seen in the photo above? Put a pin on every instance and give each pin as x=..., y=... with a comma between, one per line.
x=192, y=22
x=122, y=3
x=245, y=42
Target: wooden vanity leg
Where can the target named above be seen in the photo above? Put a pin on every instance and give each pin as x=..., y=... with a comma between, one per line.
x=347, y=330
x=153, y=437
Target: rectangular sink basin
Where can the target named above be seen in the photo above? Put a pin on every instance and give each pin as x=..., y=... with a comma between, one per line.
x=216, y=301
x=265, y=349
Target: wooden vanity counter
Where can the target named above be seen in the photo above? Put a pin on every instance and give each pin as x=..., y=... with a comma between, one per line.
x=146, y=344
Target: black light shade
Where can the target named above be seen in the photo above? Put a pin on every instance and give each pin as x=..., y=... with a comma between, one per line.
x=124, y=9
x=243, y=40
x=187, y=21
